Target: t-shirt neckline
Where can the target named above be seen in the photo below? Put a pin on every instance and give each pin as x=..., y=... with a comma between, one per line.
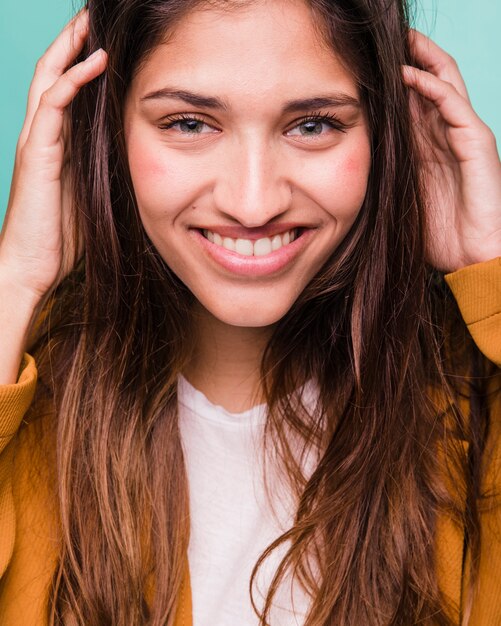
x=198, y=403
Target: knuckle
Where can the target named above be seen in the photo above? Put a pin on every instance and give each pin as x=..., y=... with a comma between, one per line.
x=45, y=99
x=20, y=151
x=72, y=76
x=446, y=57
x=451, y=61
x=23, y=153
x=451, y=87
x=21, y=141
x=448, y=88
x=41, y=65
x=486, y=133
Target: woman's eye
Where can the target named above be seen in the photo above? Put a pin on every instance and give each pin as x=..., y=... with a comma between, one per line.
x=188, y=126
x=310, y=128
x=315, y=128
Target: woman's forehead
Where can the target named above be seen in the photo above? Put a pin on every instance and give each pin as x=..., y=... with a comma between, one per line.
x=253, y=52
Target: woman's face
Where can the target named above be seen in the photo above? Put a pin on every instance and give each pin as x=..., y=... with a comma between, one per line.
x=249, y=153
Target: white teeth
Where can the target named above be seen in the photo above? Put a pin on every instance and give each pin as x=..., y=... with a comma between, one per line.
x=247, y=247
x=262, y=246
x=244, y=246
x=276, y=242
x=229, y=244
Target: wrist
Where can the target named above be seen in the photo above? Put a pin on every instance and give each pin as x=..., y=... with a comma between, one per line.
x=484, y=255
x=17, y=297
x=18, y=307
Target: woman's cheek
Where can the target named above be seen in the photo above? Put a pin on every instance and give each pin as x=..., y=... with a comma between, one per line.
x=163, y=187
x=147, y=170
x=144, y=154
x=356, y=169
x=339, y=187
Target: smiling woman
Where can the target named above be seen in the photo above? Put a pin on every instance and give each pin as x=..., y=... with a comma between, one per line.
x=258, y=401
x=250, y=152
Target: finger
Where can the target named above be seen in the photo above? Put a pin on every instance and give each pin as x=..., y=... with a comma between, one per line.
x=435, y=60
x=59, y=55
x=452, y=106
x=48, y=120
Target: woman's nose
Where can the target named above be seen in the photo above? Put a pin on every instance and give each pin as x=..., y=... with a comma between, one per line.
x=251, y=186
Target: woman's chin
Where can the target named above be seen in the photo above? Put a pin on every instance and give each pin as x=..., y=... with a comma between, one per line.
x=252, y=315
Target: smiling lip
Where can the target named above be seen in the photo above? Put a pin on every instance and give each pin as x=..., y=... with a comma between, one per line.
x=253, y=265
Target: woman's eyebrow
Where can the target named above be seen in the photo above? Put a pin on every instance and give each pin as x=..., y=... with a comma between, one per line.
x=291, y=106
x=320, y=102
x=194, y=99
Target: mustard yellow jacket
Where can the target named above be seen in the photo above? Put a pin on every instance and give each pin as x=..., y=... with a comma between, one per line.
x=28, y=502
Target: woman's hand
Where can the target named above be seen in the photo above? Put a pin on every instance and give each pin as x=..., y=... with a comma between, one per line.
x=462, y=171
x=37, y=246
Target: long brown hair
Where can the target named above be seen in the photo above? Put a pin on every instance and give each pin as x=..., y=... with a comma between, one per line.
x=375, y=330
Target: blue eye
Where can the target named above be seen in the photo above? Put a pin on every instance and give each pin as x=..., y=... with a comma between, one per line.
x=190, y=126
x=316, y=126
x=311, y=128
x=187, y=126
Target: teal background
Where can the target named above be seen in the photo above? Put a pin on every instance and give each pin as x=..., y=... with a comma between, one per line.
x=467, y=29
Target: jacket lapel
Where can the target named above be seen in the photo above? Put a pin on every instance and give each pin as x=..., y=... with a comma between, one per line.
x=184, y=609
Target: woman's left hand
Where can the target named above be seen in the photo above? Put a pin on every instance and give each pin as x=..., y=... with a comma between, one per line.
x=462, y=170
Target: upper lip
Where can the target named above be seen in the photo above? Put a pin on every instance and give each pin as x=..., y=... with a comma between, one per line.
x=253, y=234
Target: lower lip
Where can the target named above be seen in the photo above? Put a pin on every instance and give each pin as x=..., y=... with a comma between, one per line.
x=265, y=265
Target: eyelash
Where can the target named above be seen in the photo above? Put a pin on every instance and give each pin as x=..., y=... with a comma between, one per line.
x=181, y=117
x=328, y=118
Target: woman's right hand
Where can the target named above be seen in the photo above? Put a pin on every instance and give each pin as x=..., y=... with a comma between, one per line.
x=36, y=242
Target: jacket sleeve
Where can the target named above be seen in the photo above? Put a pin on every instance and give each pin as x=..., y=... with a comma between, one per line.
x=477, y=289
x=14, y=402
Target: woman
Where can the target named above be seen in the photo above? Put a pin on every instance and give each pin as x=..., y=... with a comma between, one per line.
x=247, y=354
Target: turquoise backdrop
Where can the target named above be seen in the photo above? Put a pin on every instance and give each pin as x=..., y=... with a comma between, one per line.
x=467, y=30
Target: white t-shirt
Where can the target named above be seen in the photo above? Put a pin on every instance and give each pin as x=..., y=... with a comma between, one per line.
x=232, y=521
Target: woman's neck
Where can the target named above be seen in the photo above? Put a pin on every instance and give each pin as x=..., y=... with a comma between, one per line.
x=226, y=362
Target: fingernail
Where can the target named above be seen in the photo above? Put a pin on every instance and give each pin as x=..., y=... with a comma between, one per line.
x=95, y=54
